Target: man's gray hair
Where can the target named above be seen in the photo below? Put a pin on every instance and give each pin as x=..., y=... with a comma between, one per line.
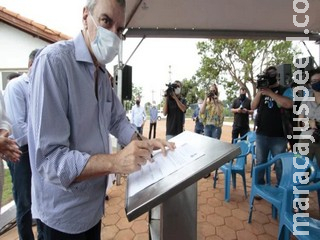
x=92, y=3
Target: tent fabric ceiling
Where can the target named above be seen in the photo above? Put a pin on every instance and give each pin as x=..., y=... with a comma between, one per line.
x=255, y=19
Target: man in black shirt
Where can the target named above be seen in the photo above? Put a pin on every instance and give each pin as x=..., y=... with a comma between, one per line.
x=271, y=101
x=241, y=108
x=174, y=108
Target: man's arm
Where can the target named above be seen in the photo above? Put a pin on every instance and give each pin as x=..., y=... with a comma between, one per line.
x=235, y=109
x=282, y=101
x=181, y=106
x=256, y=101
x=165, y=106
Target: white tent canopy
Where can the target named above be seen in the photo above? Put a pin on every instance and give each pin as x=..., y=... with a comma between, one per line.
x=254, y=19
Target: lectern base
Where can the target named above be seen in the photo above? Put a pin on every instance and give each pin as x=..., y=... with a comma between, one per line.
x=176, y=218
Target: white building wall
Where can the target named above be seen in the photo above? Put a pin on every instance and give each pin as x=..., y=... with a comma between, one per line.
x=15, y=47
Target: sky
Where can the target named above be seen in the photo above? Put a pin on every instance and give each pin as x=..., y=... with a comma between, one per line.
x=155, y=62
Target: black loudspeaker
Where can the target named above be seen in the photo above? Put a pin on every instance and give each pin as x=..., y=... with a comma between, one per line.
x=310, y=64
x=285, y=74
x=126, y=81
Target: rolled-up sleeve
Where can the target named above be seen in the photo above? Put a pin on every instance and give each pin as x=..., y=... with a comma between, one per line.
x=54, y=160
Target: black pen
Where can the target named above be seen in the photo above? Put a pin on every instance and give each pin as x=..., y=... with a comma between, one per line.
x=140, y=139
x=139, y=136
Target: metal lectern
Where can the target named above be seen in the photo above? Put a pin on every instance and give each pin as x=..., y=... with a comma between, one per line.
x=172, y=201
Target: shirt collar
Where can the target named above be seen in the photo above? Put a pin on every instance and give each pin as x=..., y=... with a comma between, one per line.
x=82, y=53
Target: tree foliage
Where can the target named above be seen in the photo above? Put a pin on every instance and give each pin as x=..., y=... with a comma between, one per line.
x=234, y=63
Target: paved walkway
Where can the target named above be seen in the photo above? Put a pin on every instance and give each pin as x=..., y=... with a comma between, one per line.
x=216, y=218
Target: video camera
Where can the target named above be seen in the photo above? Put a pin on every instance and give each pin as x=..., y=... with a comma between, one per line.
x=264, y=79
x=170, y=89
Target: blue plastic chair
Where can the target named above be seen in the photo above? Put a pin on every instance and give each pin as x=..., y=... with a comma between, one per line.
x=232, y=168
x=268, y=170
x=317, y=178
x=251, y=138
x=303, y=223
x=275, y=194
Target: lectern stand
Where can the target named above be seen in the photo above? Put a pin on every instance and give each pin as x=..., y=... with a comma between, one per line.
x=172, y=201
x=175, y=218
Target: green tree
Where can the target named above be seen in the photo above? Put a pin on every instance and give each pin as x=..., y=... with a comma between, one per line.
x=190, y=91
x=234, y=63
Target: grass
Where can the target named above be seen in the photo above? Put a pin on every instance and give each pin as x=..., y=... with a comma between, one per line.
x=7, y=188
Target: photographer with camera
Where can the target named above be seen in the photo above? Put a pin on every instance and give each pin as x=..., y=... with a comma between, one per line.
x=241, y=108
x=313, y=115
x=212, y=113
x=174, y=108
x=272, y=100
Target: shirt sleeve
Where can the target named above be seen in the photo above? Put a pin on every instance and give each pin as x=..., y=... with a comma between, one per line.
x=288, y=93
x=49, y=128
x=16, y=105
x=234, y=104
x=4, y=119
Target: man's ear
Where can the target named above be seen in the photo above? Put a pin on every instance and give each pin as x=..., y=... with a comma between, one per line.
x=85, y=14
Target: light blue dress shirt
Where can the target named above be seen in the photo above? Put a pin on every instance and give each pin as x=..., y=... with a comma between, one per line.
x=138, y=115
x=67, y=124
x=153, y=114
x=16, y=101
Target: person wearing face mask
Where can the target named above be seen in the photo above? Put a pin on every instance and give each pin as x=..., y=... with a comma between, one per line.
x=241, y=107
x=174, y=108
x=313, y=116
x=198, y=127
x=212, y=113
x=72, y=111
x=138, y=116
x=271, y=102
x=153, y=119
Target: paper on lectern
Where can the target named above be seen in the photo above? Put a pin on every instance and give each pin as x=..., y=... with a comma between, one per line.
x=162, y=166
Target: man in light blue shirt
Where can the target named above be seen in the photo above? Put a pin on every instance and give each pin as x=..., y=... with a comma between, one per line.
x=153, y=120
x=138, y=116
x=16, y=99
x=73, y=108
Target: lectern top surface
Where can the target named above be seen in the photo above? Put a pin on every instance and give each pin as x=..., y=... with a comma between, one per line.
x=208, y=155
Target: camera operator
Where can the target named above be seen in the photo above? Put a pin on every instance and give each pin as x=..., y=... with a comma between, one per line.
x=313, y=115
x=174, y=108
x=212, y=113
x=271, y=101
x=241, y=108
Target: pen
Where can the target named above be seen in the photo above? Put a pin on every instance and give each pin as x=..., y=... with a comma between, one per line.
x=139, y=136
x=140, y=139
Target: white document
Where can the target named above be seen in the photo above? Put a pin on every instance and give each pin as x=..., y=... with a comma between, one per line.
x=162, y=166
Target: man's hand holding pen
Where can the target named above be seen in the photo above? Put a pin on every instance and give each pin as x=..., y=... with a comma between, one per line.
x=139, y=151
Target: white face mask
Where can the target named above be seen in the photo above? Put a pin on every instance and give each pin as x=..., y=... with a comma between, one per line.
x=105, y=46
x=177, y=91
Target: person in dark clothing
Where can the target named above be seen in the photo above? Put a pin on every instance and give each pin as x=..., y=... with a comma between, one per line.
x=198, y=127
x=153, y=120
x=174, y=108
x=271, y=101
x=241, y=108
